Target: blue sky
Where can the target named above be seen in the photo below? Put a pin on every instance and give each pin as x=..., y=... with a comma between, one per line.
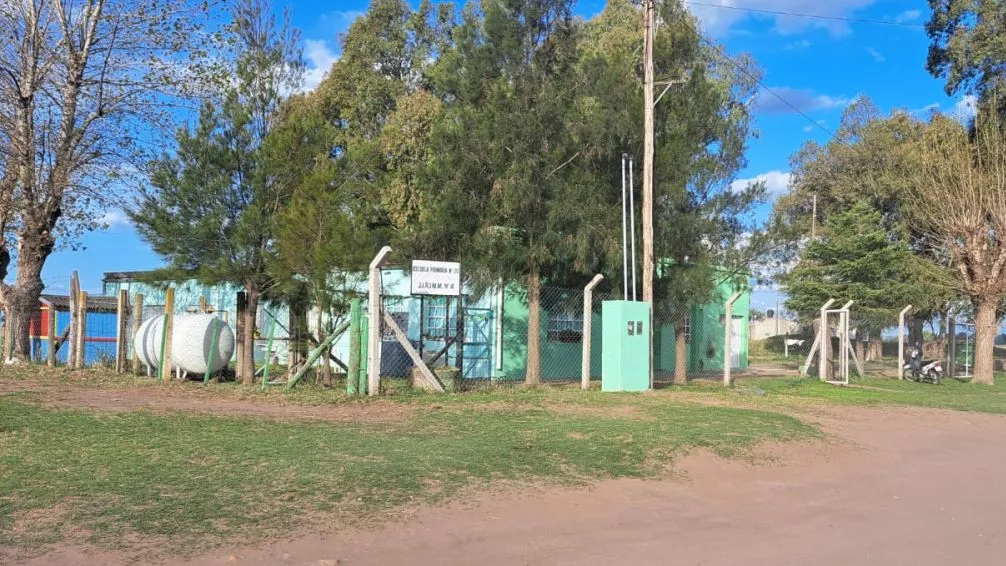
x=817, y=65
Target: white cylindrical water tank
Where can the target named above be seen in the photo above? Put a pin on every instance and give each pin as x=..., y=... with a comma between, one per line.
x=192, y=339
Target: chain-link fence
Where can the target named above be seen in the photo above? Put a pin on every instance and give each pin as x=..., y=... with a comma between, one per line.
x=491, y=341
x=50, y=330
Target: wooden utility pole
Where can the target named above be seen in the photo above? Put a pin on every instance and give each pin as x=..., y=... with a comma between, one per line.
x=648, y=151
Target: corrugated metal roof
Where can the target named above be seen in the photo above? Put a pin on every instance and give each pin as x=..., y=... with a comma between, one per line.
x=94, y=302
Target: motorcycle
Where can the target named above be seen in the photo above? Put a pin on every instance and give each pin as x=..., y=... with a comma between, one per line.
x=920, y=370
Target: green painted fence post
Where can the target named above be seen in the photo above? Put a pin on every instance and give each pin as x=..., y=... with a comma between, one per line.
x=212, y=355
x=268, y=354
x=364, y=352
x=352, y=379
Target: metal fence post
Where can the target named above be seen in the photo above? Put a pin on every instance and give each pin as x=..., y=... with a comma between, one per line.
x=374, y=314
x=588, y=304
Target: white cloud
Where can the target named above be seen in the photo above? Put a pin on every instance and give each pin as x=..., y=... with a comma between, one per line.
x=798, y=45
x=320, y=58
x=877, y=56
x=337, y=21
x=321, y=54
x=966, y=108
x=776, y=182
x=804, y=100
x=724, y=15
x=811, y=127
x=115, y=220
x=908, y=16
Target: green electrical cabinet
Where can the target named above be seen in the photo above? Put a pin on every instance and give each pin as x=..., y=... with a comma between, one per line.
x=625, y=346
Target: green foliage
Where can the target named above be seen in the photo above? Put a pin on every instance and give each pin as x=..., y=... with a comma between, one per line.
x=868, y=161
x=318, y=235
x=968, y=47
x=854, y=260
x=210, y=207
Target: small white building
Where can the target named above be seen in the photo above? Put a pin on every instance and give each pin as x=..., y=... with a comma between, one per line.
x=771, y=326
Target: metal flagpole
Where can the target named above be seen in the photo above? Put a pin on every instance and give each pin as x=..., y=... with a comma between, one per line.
x=632, y=226
x=625, y=236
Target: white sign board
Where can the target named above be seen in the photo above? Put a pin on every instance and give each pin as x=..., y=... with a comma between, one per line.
x=436, y=278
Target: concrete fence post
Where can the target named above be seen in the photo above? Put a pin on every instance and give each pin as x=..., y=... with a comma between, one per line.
x=728, y=331
x=374, y=308
x=588, y=304
x=901, y=341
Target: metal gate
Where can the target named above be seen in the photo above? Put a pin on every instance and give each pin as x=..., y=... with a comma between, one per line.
x=478, y=343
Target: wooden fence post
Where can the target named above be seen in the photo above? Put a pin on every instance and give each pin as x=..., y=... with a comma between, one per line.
x=121, y=348
x=352, y=374
x=169, y=317
x=51, y=335
x=137, y=322
x=73, y=303
x=81, y=342
x=203, y=307
x=239, y=323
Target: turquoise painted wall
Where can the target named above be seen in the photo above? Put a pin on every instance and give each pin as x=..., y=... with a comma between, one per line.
x=559, y=360
x=706, y=348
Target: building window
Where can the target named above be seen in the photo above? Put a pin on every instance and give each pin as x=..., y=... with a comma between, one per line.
x=438, y=323
x=565, y=325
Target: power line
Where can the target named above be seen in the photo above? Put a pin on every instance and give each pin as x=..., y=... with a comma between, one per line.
x=753, y=77
x=812, y=16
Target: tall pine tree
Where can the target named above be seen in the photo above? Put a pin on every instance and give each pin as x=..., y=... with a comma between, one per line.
x=210, y=206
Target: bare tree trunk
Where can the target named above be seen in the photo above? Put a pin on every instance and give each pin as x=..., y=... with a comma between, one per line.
x=860, y=351
x=533, y=375
x=985, y=335
x=915, y=331
x=875, y=350
x=680, y=354
x=248, y=339
x=21, y=298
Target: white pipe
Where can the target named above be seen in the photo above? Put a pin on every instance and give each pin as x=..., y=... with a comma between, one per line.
x=632, y=225
x=625, y=237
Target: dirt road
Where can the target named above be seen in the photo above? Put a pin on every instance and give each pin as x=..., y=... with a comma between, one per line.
x=893, y=486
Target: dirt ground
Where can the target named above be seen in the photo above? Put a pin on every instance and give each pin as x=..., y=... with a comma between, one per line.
x=192, y=400
x=890, y=486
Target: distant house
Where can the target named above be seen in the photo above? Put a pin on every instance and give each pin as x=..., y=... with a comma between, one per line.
x=771, y=326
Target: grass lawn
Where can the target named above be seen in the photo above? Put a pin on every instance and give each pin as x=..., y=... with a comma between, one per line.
x=187, y=481
x=147, y=482
x=950, y=394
